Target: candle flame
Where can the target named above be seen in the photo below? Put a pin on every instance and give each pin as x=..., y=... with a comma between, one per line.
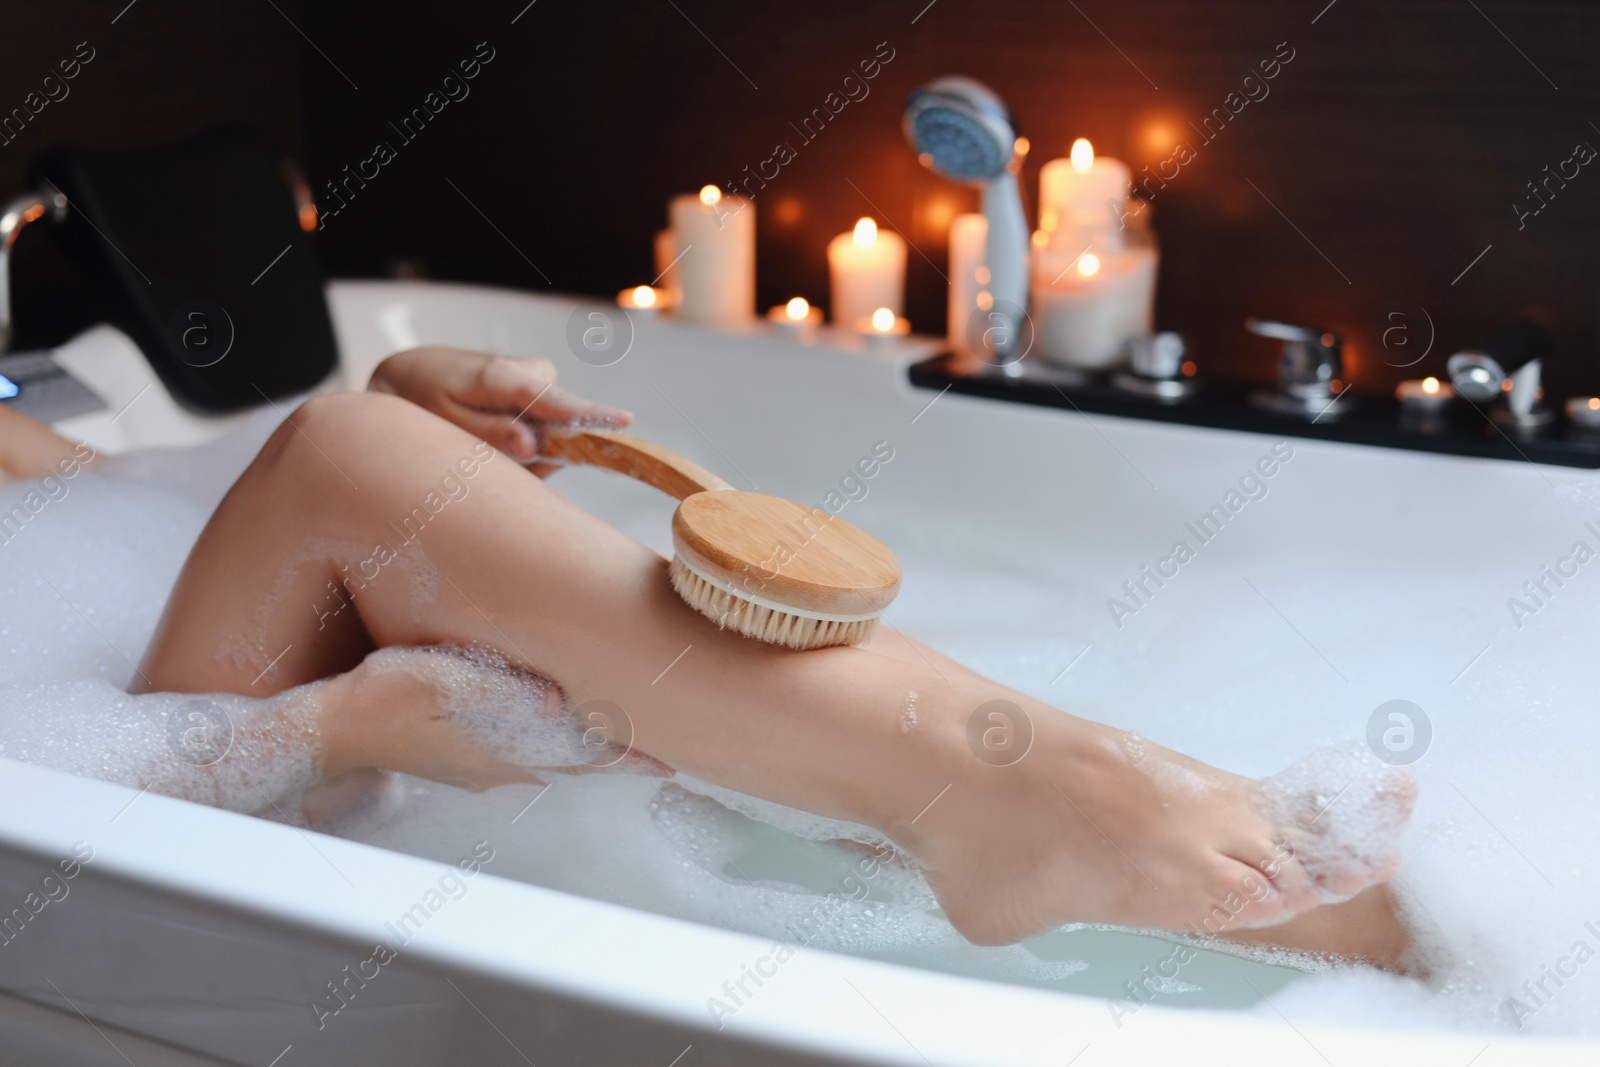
x=866, y=233
x=883, y=320
x=1082, y=155
x=1430, y=385
x=710, y=194
x=644, y=296
x=797, y=309
x=1594, y=403
x=1088, y=264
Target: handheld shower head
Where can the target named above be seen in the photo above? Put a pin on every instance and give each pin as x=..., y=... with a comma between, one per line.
x=961, y=129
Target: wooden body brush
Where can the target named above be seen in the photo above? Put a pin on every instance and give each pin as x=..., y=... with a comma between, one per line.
x=770, y=568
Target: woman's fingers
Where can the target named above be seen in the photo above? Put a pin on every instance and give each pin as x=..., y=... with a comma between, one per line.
x=559, y=405
x=450, y=382
x=516, y=439
x=527, y=388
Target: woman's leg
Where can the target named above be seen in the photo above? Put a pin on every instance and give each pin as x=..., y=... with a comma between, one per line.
x=367, y=522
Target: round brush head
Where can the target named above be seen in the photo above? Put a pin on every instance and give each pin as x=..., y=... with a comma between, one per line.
x=780, y=572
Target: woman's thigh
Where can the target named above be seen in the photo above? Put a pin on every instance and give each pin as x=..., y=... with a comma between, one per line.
x=367, y=522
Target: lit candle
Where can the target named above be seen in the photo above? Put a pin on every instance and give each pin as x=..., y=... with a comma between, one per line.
x=968, y=282
x=797, y=318
x=883, y=327
x=867, y=270
x=1083, y=198
x=715, y=237
x=1086, y=307
x=1424, y=396
x=1087, y=304
x=642, y=300
x=667, y=265
x=1584, y=412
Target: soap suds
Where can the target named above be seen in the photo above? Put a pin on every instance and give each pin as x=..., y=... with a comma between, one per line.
x=219, y=749
x=1499, y=871
x=908, y=713
x=1134, y=747
x=1345, y=813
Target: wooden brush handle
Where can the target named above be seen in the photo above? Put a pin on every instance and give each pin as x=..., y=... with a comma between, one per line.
x=625, y=454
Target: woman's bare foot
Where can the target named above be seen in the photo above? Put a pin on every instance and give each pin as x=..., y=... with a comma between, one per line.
x=461, y=717
x=1365, y=928
x=1096, y=825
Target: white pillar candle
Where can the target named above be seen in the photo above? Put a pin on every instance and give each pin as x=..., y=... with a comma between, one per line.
x=1085, y=308
x=968, y=278
x=1083, y=198
x=667, y=265
x=716, y=241
x=866, y=271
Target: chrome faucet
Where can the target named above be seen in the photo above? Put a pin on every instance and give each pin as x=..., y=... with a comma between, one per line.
x=1509, y=361
x=22, y=210
x=1310, y=365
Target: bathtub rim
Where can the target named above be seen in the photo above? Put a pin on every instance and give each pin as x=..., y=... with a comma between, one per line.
x=146, y=839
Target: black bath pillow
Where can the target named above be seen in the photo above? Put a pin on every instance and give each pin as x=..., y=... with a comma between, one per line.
x=199, y=249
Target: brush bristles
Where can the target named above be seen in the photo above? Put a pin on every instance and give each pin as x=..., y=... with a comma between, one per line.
x=764, y=624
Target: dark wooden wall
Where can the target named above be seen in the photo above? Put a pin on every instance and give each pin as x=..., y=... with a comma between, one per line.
x=162, y=69
x=1389, y=154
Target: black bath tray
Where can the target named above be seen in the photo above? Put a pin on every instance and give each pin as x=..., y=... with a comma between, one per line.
x=1466, y=430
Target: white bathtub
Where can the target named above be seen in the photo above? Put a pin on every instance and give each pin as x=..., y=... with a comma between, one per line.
x=200, y=936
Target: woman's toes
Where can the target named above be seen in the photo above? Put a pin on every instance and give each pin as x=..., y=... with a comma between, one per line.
x=1276, y=862
x=1344, y=813
x=1241, y=897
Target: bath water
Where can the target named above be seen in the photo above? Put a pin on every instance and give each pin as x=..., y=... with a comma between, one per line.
x=1501, y=871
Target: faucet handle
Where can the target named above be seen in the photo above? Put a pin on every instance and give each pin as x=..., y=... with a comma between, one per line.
x=1282, y=331
x=1311, y=359
x=22, y=210
x=1480, y=372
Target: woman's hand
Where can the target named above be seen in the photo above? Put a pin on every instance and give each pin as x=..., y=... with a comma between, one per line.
x=30, y=449
x=494, y=397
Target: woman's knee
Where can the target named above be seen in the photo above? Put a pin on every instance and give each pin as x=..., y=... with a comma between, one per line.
x=341, y=436
x=353, y=422
x=381, y=445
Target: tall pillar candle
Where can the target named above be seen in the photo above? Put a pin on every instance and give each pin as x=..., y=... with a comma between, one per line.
x=716, y=269
x=667, y=265
x=867, y=271
x=1082, y=199
x=968, y=276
